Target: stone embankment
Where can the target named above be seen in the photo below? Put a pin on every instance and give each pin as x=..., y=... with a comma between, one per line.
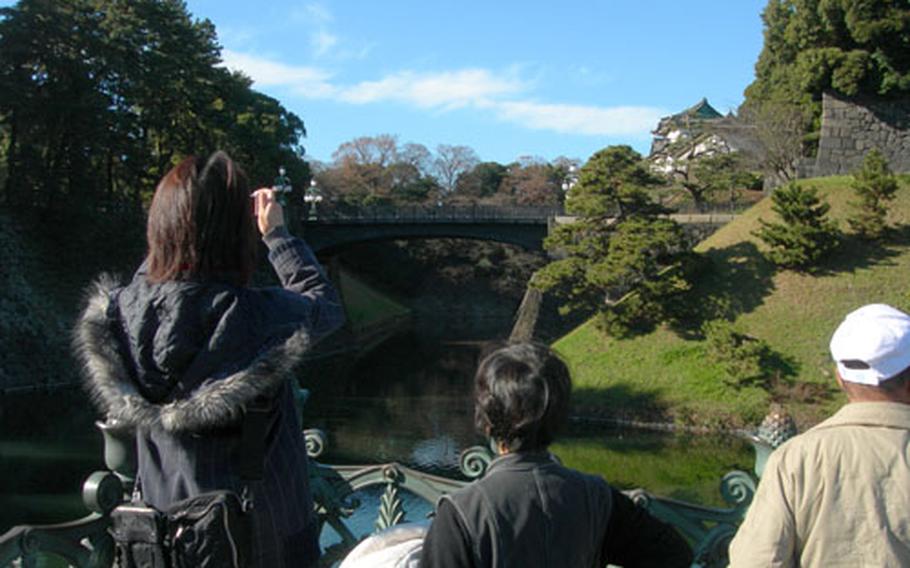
x=850, y=128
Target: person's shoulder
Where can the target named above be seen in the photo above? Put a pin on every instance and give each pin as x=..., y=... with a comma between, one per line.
x=589, y=478
x=804, y=451
x=818, y=435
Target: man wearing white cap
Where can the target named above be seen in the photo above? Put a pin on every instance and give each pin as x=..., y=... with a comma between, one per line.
x=839, y=494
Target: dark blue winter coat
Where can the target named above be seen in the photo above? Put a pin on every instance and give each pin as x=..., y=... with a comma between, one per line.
x=180, y=361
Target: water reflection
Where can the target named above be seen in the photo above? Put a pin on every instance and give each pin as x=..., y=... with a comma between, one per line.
x=406, y=402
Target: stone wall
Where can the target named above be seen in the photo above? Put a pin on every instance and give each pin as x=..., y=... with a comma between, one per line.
x=850, y=128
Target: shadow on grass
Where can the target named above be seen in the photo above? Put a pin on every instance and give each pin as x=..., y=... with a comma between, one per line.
x=736, y=279
x=786, y=390
x=778, y=372
x=733, y=280
x=856, y=253
x=618, y=403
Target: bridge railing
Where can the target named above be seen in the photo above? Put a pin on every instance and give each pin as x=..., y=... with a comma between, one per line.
x=339, y=213
x=87, y=543
x=342, y=213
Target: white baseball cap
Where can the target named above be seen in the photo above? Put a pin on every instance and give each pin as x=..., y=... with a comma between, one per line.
x=872, y=344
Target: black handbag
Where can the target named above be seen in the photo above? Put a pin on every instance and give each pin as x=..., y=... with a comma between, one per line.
x=209, y=530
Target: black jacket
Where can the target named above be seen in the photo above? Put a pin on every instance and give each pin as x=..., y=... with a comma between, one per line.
x=528, y=510
x=180, y=360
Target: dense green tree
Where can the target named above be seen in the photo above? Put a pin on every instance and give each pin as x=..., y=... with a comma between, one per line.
x=480, y=182
x=409, y=185
x=619, y=257
x=416, y=190
x=874, y=185
x=100, y=97
x=852, y=47
x=54, y=115
x=804, y=233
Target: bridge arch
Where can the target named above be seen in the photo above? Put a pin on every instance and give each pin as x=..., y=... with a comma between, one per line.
x=522, y=226
x=525, y=226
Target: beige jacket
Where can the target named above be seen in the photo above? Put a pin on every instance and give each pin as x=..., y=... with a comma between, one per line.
x=837, y=495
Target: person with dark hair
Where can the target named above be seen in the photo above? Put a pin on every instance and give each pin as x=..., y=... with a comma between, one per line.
x=187, y=347
x=839, y=494
x=528, y=510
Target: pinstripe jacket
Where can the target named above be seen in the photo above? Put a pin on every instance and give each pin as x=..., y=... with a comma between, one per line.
x=180, y=360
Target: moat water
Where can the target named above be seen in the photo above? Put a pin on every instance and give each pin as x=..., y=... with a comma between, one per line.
x=407, y=401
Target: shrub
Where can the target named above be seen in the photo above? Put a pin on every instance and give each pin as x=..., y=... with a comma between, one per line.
x=874, y=185
x=805, y=234
x=740, y=355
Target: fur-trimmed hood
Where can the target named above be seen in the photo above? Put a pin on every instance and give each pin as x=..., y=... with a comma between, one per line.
x=214, y=404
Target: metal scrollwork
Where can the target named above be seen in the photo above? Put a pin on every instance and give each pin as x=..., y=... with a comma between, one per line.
x=712, y=549
x=474, y=461
x=315, y=442
x=391, y=510
x=737, y=488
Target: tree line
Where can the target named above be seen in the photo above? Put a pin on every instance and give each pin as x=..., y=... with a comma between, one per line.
x=379, y=170
x=99, y=98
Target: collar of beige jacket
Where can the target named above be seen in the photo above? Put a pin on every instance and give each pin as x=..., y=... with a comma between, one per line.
x=875, y=414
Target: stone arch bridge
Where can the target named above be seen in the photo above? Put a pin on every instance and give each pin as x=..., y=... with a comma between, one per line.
x=526, y=226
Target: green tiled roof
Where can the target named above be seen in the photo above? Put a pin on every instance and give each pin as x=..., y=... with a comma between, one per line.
x=702, y=109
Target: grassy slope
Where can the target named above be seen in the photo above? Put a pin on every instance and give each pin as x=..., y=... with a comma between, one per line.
x=667, y=373
x=365, y=305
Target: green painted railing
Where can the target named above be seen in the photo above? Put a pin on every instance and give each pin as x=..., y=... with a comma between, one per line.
x=86, y=543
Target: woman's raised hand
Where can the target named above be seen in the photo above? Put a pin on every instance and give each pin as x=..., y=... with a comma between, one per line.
x=269, y=213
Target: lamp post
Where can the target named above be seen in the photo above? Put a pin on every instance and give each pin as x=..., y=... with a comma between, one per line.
x=569, y=181
x=282, y=187
x=311, y=198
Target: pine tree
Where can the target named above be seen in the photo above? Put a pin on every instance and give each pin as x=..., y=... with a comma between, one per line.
x=805, y=233
x=875, y=185
x=620, y=257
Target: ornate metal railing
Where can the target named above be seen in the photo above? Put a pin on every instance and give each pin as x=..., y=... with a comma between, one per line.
x=710, y=529
x=431, y=213
x=339, y=213
x=86, y=543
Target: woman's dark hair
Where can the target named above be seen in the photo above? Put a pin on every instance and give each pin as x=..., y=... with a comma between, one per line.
x=521, y=396
x=200, y=223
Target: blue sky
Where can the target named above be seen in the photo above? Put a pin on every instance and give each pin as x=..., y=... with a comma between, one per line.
x=506, y=78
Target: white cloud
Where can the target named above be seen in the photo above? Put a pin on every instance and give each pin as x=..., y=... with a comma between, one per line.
x=578, y=119
x=322, y=42
x=499, y=94
x=310, y=82
x=447, y=90
x=314, y=12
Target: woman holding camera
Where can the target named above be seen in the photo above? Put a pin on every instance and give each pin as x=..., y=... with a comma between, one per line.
x=188, y=346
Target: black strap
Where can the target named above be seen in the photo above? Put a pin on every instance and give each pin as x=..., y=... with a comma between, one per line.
x=257, y=419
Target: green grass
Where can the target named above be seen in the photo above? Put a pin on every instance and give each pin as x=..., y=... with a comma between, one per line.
x=365, y=305
x=681, y=467
x=668, y=374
